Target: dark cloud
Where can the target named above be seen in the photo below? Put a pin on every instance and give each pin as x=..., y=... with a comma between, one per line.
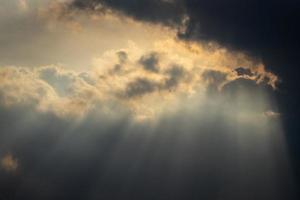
x=139, y=87
x=160, y=11
x=150, y=62
x=253, y=25
x=175, y=74
x=243, y=71
x=142, y=86
x=265, y=28
x=122, y=55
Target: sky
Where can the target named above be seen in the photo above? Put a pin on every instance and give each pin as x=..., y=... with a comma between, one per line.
x=149, y=99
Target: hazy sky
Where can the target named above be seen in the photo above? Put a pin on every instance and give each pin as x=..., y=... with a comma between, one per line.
x=160, y=99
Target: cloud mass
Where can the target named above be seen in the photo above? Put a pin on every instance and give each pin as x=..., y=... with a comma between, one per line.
x=147, y=99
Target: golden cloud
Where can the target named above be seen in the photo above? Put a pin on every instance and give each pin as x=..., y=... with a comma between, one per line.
x=9, y=163
x=119, y=77
x=154, y=70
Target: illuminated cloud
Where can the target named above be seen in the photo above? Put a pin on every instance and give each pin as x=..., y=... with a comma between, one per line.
x=9, y=163
x=159, y=68
x=272, y=114
x=117, y=76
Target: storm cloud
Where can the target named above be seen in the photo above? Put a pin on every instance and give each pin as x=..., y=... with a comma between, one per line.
x=160, y=11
